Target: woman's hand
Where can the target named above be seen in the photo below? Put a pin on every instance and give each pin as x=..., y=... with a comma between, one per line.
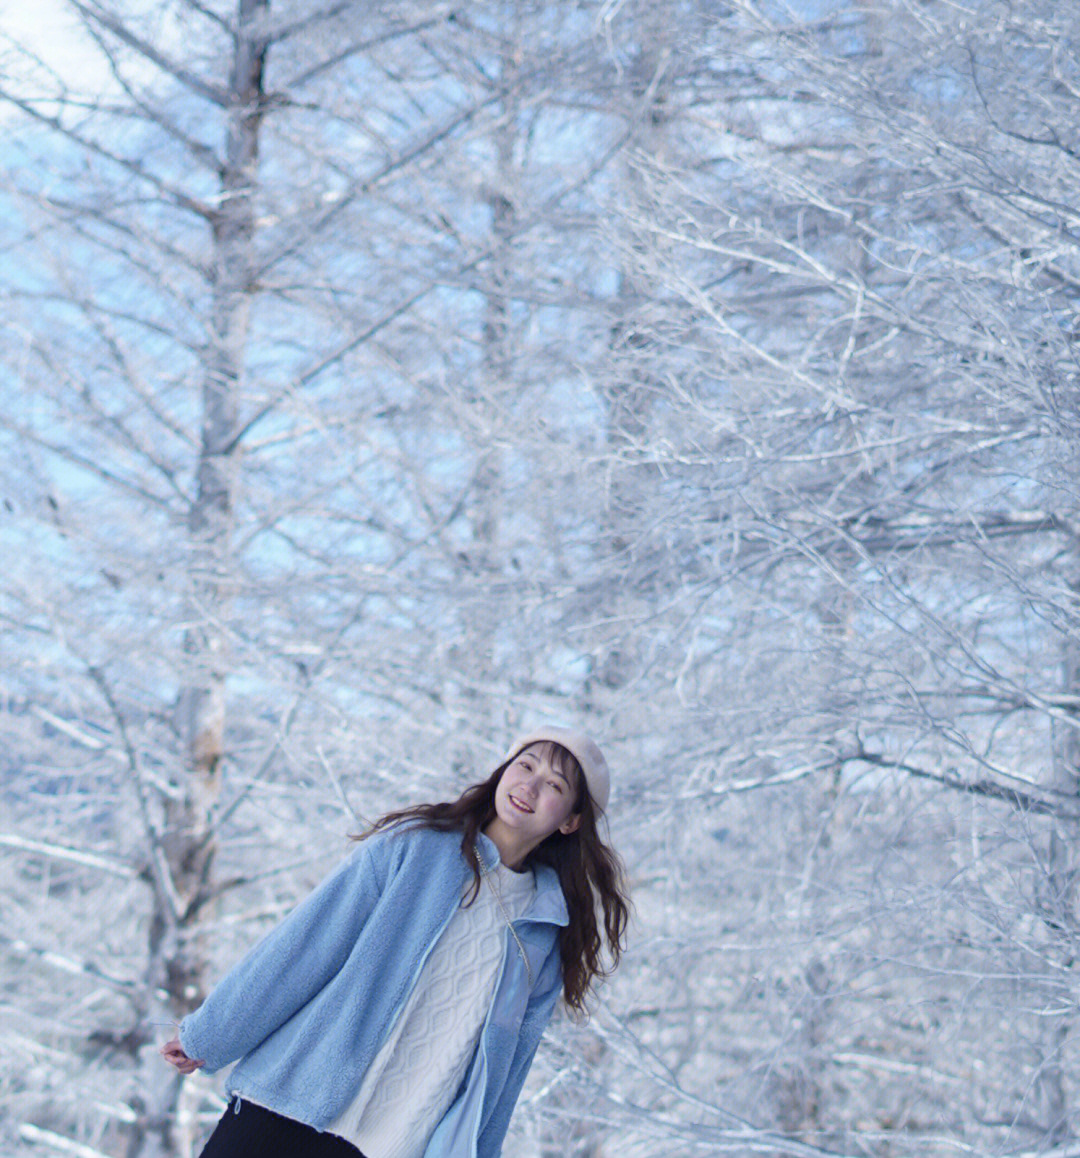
x=173, y=1053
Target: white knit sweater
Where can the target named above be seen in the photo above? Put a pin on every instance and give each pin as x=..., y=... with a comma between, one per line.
x=414, y=1076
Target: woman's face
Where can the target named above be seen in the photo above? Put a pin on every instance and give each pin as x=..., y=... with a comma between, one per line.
x=534, y=798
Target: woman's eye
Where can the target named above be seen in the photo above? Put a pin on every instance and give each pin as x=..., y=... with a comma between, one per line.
x=556, y=785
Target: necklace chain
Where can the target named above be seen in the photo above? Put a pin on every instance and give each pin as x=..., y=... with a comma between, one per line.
x=487, y=874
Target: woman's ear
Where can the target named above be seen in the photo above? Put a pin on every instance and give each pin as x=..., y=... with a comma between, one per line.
x=570, y=824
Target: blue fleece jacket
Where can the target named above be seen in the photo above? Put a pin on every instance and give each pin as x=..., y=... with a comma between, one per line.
x=308, y=1008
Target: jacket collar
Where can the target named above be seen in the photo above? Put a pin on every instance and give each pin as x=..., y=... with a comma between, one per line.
x=549, y=904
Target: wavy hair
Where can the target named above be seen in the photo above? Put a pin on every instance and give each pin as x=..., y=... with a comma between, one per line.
x=590, y=872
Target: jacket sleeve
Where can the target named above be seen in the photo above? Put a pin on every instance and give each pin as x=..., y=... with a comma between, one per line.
x=288, y=967
x=537, y=1015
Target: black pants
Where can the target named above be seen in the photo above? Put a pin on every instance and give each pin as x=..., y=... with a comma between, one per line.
x=255, y=1132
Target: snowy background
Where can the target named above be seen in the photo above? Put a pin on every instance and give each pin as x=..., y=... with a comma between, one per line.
x=378, y=379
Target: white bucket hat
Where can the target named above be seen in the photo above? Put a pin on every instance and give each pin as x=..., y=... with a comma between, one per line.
x=583, y=749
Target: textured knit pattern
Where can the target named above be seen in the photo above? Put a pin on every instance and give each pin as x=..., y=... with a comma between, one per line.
x=308, y=1009
x=423, y=1061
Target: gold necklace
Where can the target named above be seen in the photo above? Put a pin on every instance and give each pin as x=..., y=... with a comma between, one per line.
x=487, y=873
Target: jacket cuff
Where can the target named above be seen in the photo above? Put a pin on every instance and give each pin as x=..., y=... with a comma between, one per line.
x=189, y=1043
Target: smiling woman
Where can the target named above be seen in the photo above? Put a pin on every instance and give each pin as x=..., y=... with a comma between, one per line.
x=537, y=795
x=396, y=1012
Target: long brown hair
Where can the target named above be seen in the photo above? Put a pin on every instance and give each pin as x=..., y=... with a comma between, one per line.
x=590, y=872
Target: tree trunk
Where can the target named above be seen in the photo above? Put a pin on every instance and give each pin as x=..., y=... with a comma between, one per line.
x=177, y=963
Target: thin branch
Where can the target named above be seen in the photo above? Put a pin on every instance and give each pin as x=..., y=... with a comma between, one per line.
x=182, y=199
x=305, y=23
x=67, y=964
x=63, y=852
x=197, y=149
x=211, y=92
x=160, y=873
x=343, y=54
x=1051, y=140
x=38, y=1136
x=212, y=16
x=750, y=1140
x=1024, y=801
x=75, y=458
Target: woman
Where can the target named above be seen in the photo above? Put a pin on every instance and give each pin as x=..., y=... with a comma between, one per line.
x=396, y=1011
